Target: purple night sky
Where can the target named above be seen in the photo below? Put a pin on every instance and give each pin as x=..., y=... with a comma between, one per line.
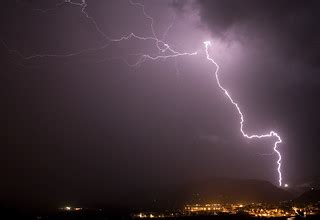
x=82, y=113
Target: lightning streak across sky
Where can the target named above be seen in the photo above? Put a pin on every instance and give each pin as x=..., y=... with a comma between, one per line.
x=164, y=52
x=208, y=44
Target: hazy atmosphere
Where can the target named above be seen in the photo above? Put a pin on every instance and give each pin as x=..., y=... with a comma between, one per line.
x=103, y=102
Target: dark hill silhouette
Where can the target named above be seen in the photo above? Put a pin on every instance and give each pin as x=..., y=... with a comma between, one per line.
x=310, y=196
x=211, y=191
x=232, y=190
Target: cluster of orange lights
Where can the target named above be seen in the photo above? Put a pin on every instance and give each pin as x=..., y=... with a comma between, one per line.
x=69, y=208
x=235, y=208
x=206, y=207
x=258, y=210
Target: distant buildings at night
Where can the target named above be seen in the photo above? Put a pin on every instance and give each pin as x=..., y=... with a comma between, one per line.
x=69, y=208
x=252, y=209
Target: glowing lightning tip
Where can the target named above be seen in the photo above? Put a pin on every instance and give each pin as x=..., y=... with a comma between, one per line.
x=207, y=43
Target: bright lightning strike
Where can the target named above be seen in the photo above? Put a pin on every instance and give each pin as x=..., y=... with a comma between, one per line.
x=208, y=44
x=165, y=52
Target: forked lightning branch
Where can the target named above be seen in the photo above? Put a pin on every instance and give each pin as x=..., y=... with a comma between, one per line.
x=166, y=52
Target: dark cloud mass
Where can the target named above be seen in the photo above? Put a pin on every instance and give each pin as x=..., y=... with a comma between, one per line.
x=290, y=26
x=89, y=128
x=281, y=40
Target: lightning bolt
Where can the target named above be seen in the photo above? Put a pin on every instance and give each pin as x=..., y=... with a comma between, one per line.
x=208, y=44
x=165, y=52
